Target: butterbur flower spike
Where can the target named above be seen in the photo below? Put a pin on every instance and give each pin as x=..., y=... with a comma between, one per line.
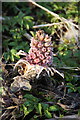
x=39, y=58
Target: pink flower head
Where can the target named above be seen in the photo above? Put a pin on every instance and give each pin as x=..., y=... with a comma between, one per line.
x=32, y=56
x=37, y=60
x=31, y=61
x=42, y=37
x=30, y=51
x=49, y=58
x=43, y=49
x=39, y=45
x=40, y=64
x=41, y=56
x=47, y=62
x=50, y=62
x=49, y=49
x=32, y=39
x=29, y=57
x=46, y=54
x=33, y=42
x=38, y=53
x=44, y=61
x=47, y=44
x=34, y=49
x=47, y=36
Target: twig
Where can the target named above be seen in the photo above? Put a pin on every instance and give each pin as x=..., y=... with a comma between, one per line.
x=70, y=68
x=28, y=36
x=45, y=25
x=68, y=117
x=8, y=64
x=69, y=22
x=11, y=107
x=54, y=14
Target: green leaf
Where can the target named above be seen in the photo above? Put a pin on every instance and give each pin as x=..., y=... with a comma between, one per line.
x=78, y=88
x=39, y=108
x=1, y=78
x=69, y=85
x=27, y=26
x=30, y=108
x=27, y=103
x=53, y=108
x=45, y=106
x=79, y=112
x=70, y=90
x=21, y=14
x=35, y=117
x=28, y=18
x=48, y=114
x=32, y=33
x=31, y=98
x=1, y=90
x=26, y=112
x=12, y=43
x=6, y=56
x=12, y=58
x=13, y=51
